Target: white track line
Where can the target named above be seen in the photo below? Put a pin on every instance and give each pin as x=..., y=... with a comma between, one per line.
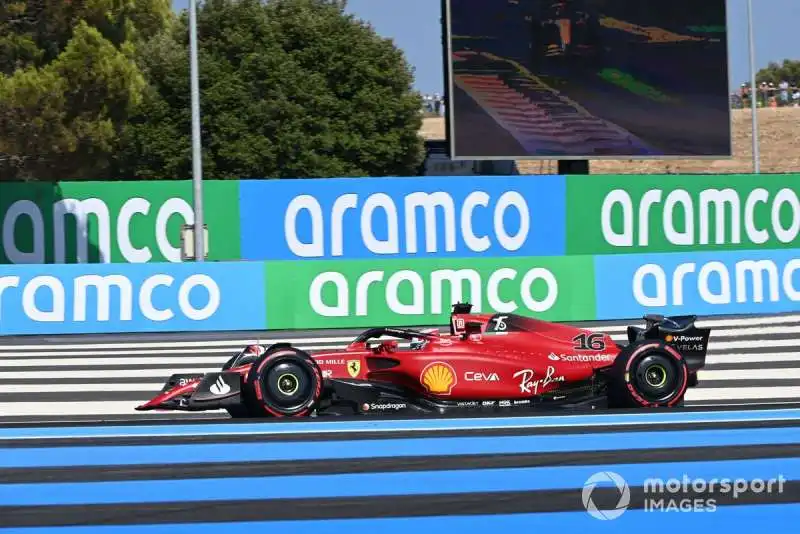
x=61, y=410
x=224, y=353
x=729, y=345
x=750, y=321
x=178, y=344
x=753, y=358
x=733, y=402
x=736, y=393
x=750, y=374
x=93, y=362
x=759, y=331
x=163, y=374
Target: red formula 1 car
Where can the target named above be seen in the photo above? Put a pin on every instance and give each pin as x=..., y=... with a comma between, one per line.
x=487, y=363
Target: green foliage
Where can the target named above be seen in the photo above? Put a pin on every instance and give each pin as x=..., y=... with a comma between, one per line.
x=293, y=88
x=68, y=83
x=99, y=89
x=788, y=71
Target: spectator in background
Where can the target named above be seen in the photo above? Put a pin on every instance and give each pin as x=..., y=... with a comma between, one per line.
x=433, y=104
x=784, y=87
x=764, y=92
x=786, y=93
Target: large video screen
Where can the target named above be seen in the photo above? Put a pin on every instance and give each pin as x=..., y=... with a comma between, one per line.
x=587, y=79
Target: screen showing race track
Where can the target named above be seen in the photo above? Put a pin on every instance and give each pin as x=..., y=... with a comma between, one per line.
x=591, y=79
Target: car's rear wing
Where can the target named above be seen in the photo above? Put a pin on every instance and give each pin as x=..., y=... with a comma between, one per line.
x=680, y=332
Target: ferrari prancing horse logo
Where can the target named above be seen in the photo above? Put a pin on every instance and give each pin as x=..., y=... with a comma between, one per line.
x=354, y=367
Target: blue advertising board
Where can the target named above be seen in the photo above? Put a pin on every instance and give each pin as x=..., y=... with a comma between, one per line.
x=703, y=283
x=166, y=297
x=349, y=218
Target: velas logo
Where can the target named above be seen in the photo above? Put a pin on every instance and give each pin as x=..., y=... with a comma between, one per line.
x=72, y=217
x=438, y=378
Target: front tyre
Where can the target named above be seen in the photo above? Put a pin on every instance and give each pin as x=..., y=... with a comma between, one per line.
x=648, y=374
x=284, y=382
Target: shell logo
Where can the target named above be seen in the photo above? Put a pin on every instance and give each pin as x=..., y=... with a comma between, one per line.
x=669, y=338
x=438, y=378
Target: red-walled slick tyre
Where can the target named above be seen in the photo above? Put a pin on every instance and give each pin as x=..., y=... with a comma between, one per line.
x=648, y=374
x=283, y=382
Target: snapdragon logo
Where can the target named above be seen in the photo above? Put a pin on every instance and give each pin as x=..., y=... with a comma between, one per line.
x=607, y=479
x=31, y=295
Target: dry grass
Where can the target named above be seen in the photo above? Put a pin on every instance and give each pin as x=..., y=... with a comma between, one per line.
x=779, y=133
x=432, y=128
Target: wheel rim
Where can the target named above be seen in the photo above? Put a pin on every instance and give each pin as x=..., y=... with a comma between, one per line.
x=656, y=376
x=288, y=384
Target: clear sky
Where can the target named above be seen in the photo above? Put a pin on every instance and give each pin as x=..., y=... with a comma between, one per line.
x=415, y=27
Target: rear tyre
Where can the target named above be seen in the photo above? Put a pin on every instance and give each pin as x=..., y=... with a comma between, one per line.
x=648, y=374
x=284, y=382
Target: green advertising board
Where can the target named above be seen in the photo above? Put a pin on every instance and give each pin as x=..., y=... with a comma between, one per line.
x=403, y=292
x=635, y=214
x=112, y=222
